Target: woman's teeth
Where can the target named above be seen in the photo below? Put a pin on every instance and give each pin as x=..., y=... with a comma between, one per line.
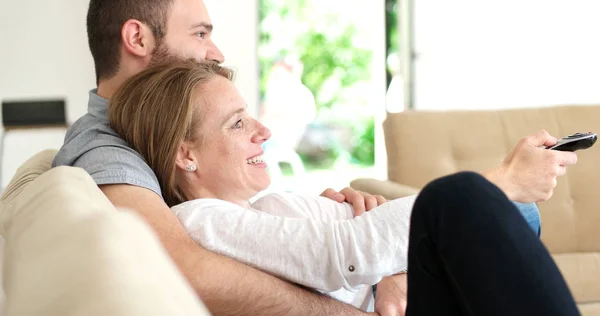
x=255, y=160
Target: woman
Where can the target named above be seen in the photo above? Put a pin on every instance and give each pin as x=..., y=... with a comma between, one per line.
x=470, y=251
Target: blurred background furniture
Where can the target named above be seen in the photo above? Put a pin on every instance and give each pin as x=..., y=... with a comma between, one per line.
x=29, y=126
x=424, y=145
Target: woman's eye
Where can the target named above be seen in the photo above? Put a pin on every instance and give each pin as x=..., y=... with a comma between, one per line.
x=238, y=124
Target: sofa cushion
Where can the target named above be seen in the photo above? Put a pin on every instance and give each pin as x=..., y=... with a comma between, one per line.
x=591, y=309
x=68, y=251
x=582, y=273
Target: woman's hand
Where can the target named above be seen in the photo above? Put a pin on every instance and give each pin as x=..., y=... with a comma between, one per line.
x=390, y=299
x=361, y=201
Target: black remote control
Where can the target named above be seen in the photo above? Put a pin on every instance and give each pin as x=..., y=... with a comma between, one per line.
x=575, y=142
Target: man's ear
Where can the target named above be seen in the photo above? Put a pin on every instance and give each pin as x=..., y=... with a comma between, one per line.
x=185, y=157
x=137, y=38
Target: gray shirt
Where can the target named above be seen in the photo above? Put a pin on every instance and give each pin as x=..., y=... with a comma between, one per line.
x=91, y=144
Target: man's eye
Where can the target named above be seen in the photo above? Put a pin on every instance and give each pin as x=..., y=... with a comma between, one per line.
x=238, y=124
x=201, y=34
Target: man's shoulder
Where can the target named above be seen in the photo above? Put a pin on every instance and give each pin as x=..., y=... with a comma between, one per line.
x=91, y=144
x=91, y=126
x=90, y=135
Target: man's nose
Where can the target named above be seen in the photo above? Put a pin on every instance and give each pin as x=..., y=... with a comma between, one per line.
x=214, y=54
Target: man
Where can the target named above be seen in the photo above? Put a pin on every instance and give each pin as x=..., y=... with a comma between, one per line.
x=125, y=37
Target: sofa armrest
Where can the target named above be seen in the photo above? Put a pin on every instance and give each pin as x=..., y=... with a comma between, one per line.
x=388, y=189
x=68, y=251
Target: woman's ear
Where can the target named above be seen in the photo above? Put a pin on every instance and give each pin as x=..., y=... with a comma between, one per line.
x=185, y=158
x=136, y=38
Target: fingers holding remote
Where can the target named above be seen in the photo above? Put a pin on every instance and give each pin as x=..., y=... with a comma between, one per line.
x=529, y=173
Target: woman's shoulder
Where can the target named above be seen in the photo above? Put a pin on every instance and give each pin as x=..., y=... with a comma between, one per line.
x=278, y=204
x=300, y=205
x=287, y=199
x=204, y=204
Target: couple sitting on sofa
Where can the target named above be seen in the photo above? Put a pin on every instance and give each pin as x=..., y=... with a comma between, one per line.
x=468, y=250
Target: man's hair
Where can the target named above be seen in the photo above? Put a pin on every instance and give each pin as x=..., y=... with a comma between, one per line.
x=157, y=109
x=106, y=18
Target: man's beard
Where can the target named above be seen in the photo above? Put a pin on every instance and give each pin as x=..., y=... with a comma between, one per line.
x=162, y=54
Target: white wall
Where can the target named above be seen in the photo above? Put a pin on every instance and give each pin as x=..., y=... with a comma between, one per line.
x=236, y=34
x=505, y=54
x=44, y=54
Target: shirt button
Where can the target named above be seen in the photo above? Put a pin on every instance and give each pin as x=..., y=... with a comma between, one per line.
x=351, y=268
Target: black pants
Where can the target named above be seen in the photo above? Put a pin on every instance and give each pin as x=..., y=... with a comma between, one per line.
x=472, y=253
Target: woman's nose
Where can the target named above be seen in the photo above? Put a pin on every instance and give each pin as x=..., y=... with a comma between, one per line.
x=263, y=133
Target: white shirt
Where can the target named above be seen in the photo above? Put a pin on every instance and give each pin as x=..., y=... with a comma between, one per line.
x=313, y=241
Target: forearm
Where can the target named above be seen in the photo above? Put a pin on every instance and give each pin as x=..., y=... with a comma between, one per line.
x=498, y=176
x=228, y=287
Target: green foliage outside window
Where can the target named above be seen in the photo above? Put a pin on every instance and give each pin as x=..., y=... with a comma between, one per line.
x=337, y=65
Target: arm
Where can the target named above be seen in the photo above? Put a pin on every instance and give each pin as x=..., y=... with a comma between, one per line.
x=323, y=254
x=227, y=287
x=286, y=204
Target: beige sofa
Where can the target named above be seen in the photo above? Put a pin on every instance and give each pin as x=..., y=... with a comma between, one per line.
x=69, y=252
x=422, y=146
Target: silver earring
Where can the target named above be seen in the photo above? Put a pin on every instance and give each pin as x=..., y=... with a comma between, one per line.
x=191, y=167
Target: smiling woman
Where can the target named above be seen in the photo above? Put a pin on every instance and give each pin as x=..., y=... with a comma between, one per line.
x=205, y=129
x=166, y=141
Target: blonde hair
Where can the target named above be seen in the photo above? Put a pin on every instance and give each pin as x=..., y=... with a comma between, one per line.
x=154, y=111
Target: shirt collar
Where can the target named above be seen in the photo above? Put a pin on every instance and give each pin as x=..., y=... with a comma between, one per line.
x=97, y=105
